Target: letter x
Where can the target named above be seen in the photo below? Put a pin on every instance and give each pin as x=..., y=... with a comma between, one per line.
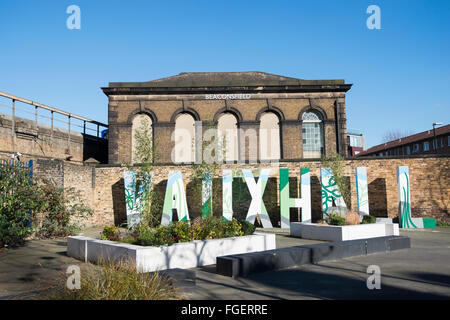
x=257, y=190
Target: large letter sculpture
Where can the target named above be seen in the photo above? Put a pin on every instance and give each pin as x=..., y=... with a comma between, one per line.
x=136, y=195
x=227, y=195
x=207, y=180
x=404, y=199
x=256, y=190
x=175, y=199
x=330, y=193
x=362, y=191
x=304, y=202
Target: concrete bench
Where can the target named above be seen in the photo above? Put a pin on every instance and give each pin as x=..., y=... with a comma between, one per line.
x=241, y=265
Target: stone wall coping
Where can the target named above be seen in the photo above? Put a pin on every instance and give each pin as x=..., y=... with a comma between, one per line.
x=284, y=161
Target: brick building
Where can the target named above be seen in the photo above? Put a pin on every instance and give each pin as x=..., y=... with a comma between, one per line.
x=306, y=118
x=355, y=143
x=428, y=142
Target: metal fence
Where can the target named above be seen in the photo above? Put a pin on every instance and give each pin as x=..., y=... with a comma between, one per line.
x=28, y=165
x=67, y=117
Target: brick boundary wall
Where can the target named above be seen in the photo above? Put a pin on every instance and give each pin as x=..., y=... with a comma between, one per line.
x=102, y=187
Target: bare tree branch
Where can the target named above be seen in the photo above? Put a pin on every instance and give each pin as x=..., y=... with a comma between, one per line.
x=392, y=135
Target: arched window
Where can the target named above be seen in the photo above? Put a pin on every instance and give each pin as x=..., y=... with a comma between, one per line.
x=269, y=137
x=312, y=135
x=141, y=139
x=184, y=137
x=228, y=137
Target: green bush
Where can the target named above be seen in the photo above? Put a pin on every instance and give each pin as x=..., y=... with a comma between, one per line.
x=212, y=228
x=111, y=233
x=20, y=199
x=199, y=229
x=146, y=238
x=247, y=227
x=156, y=237
x=29, y=205
x=335, y=220
x=182, y=231
x=165, y=235
x=232, y=229
x=368, y=219
x=61, y=207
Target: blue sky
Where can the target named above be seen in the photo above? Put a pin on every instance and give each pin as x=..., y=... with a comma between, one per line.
x=401, y=73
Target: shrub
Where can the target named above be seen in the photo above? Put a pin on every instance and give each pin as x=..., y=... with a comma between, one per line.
x=117, y=281
x=157, y=237
x=213, y=228
x=164, y=235
x=110, y=233
x=232, y=229
x=146, y=238
x=62, y=206
x=182, y=231
x=31, y=205
x=335, y=220
x=199, y=229
x=368, y=219
x=20, y=199
x=247, y=227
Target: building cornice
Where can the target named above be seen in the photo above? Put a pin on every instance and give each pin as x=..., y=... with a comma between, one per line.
x=225, y=90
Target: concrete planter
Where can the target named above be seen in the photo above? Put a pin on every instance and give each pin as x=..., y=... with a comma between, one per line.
x=343, y=233
x=180, y=255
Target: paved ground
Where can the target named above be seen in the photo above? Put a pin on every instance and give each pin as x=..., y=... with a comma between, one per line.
x=422, y=272
x=27, y=270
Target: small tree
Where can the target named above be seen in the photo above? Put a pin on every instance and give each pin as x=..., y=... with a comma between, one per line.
x=337, y=164
x=205, y=170
x=145, y=155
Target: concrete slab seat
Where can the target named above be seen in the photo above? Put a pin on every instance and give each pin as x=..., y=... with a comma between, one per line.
x=340, y=233
x=242, y=265
x=180, y=255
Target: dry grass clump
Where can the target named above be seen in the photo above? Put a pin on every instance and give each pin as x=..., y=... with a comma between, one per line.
x=117, y=281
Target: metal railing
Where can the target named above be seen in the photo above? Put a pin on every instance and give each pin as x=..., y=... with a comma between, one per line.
x=53, y=111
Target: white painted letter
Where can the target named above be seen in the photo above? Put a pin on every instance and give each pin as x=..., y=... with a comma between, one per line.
x=73, y=281
x=374, y=21
x=74, y=20
x=374, y=281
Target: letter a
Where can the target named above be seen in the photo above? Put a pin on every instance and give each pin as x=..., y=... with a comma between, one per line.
x=374, y=21
x=175, y=199
x=74, y=20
